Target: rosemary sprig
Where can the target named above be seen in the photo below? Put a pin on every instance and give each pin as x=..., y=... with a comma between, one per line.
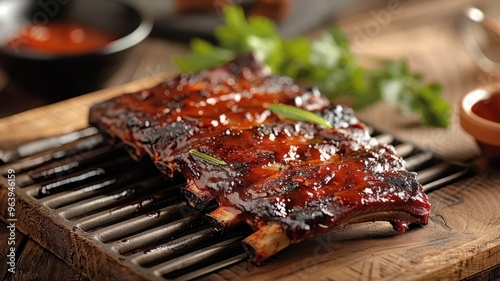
x=207, y=157
x=298, y=114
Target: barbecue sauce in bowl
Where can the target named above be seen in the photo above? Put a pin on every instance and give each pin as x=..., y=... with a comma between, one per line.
x=71, y=52
x=60, y=37
x=480, y=117
x=488, y=108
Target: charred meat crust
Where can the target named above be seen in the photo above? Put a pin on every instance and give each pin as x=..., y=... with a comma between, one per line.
x=288, y=180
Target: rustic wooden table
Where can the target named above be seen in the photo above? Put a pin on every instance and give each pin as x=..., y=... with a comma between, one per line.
x=423, y=31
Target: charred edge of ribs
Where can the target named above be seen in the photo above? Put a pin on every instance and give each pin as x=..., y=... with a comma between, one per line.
x=387, y=196
x=272, y=238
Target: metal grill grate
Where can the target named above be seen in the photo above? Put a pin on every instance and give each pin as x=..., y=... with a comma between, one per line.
x=136, y=216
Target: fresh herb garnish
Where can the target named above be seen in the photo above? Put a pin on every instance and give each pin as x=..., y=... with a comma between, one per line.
x=327, y=63
x=207, y=157
x=298, y=114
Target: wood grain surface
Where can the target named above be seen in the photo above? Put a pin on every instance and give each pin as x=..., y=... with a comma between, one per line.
x=38, y=264
x=5, y=246
x=463, y=236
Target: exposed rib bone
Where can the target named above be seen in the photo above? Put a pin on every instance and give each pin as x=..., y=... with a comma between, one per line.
x=265, y=242
x=196, y=197
x=224, y=218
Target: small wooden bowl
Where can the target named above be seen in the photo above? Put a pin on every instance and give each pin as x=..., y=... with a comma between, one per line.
x=485, y=131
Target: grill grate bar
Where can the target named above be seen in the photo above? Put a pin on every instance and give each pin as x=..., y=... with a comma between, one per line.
x=79, y=178
x=195, y=257
x=120, y=195
x=440, y=174
x=179, y=246
x=133, y=175
x=134, y=225
x=34, y=147
x=106, y=216
x=451, y=177
x=214, y=267
x=404, y=149
x=384, y=138
x=413, y=162
x=143, y=239
x=432, y=173
x=74, y=149
x=68, y=164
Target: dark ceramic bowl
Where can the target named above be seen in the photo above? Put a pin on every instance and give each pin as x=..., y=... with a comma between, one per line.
x=63, y=75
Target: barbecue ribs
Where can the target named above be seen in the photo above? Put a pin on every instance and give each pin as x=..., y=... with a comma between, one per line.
x=288, y=180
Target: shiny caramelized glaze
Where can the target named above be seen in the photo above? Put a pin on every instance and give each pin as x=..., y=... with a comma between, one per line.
x=307, y=178
x=174, y=111
x=304, y=177
x=258, y=152
x=311, y=198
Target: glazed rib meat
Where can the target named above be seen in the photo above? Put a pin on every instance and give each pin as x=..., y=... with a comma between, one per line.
x=291, y=181
x=263, y=150
x=161, y=120
x=288, y=180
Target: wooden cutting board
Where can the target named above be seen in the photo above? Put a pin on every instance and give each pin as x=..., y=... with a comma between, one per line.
x=463, y=236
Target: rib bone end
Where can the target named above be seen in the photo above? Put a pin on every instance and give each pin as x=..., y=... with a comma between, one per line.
x=265, y=242
x=224, y=217
x=196, y=197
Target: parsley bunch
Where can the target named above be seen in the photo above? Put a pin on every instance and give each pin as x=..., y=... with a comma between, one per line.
x=326, y=63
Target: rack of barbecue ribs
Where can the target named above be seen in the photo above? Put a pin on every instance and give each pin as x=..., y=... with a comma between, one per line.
x=287, y=179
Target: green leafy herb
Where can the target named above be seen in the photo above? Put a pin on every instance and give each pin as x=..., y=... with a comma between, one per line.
x=327, y=63
x=299, y=114
x=207, y=157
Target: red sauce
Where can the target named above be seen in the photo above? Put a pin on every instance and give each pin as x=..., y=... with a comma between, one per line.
x=488, y=108
x=60, y=37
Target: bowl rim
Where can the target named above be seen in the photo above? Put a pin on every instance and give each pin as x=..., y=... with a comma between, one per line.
x=120, y=44
x=481, y=129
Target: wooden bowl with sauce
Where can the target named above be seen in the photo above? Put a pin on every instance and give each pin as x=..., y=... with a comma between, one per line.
x=64, y=48
x=480, y=117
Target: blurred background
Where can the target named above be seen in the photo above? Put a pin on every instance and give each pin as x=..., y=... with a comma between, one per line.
x=372, y=27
